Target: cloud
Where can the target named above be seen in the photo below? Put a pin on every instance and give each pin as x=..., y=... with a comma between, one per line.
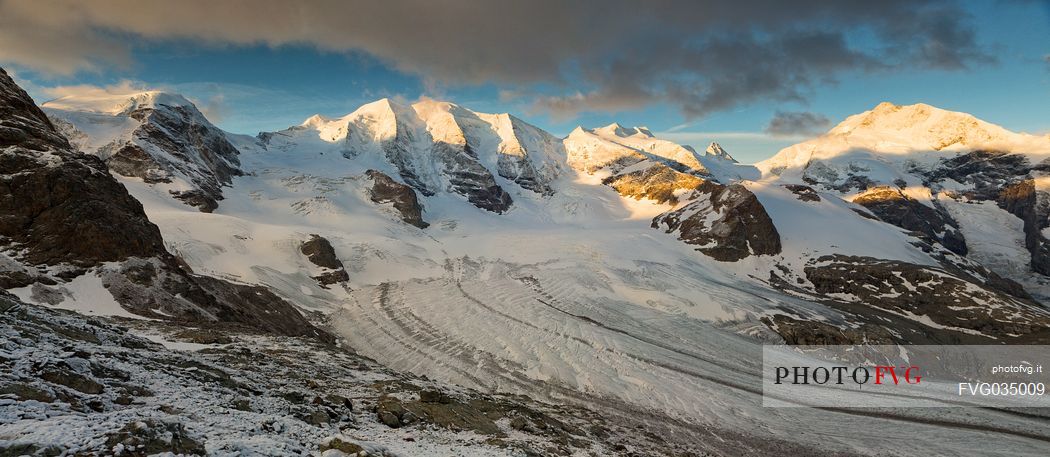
x=563, y=57
x=214, y=108
x=792, y=123
x=125, y=87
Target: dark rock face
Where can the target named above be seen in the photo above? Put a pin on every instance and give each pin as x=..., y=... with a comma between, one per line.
x=727, y=222
x=386, y=190
x=59, y=207
x=203, y=201
x=960, y=310
x=988, y=171
x=804, y=193
x=132, y=160
x=56, y=204
x=22, y=123
x=894, y=207
x=258, y=308
x=1006, y=179
x=521, y=171
x=1022, y=200
x=658, y=182
x=471, y=179
x=70, y=211
x=321, y=253
x=154, y=288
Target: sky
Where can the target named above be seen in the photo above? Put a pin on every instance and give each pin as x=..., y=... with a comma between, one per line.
x=753, y=75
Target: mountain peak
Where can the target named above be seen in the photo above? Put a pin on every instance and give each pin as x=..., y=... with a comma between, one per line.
x=922, y=126
x=315, y=121
x=105, y=102
x=382, y=104
x=716, y=150
x=623, y=132
x=906, y=131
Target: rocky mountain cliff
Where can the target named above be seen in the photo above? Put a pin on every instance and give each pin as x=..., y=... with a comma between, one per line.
x=158, y=137
x=69, y=226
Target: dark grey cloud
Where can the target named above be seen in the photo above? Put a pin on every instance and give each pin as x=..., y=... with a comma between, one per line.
x=797, y=123
x=564, y=57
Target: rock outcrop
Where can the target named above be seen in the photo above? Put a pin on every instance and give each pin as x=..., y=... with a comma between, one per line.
x=1033, y=207
x=894, y=207
x=385, y=190
x=61, y=209
x=321, y=253
x=657, y=182
x=57, y=205
x=804, y=193
x=727, y=223
x=926, y=305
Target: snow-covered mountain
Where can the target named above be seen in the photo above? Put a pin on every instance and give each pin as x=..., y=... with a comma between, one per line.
x=436, y=147
x=971, y=186
x=156, y=136
x=610, y=267
x=715, y=150
x=74, y=238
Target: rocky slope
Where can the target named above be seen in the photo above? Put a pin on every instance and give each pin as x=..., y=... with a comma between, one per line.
x=69, y=225
x=728, y=223
x=912, y=165
x=73, y=385
x=403, y=198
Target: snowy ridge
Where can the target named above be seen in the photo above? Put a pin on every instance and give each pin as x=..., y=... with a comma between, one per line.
x=894, y=134
x=437, y=147
x=613, y=145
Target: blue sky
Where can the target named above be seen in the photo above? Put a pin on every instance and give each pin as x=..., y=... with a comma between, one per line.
x=262, y=83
